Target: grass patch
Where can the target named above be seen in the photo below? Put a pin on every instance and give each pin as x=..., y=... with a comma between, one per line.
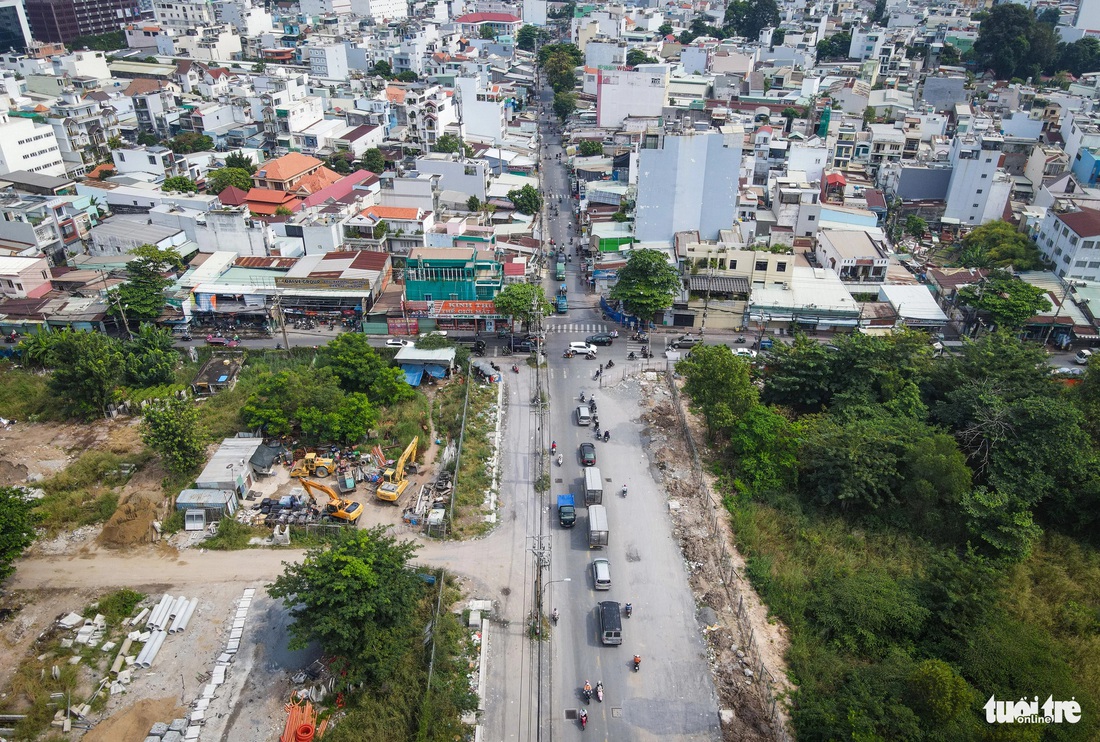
x=116, y=606
x=25, y=395
x=233, y=536
x=84, y=492
x=173, y=523
x=474, y=476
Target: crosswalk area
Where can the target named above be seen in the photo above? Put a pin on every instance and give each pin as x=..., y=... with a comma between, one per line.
x=590, y=328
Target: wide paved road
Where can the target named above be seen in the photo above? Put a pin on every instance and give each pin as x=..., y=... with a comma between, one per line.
x=673, y=696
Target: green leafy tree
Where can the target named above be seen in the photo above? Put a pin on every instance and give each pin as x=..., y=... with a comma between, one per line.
x=347, y=422
x=527, y=38
x=17, y=522
x=565, y=104
x=558, y=62
x=941, y=693
x=283, y=211
x=179, y=184
x=835, y=46
x=635, y=57
x=522, y=301
x=647, y=283
x=571, y=51
x=172, y=428
x=147, y=139
x=104, y=42
x=374, y=161
x=1008, y=301
x=950, y=56
x=218, y=180
x=777, y=36
x=718, y=383
x=749, y=17
x=487, y=32
x=527, y=199
x=448, y=143
x=915, y=226
x=664, y=29
x=87, y=367
x=879, y=13
x=35, y=348
x=790, y=113
x=1012, y=43
x=142, y=296
x=382, y=68
x=473, y=204
x=1080, y=57
x=589, y=148
x=407, y=76
x=359, y=368
x=356, y=599
x=865, y=610
x=114, y=143
x=998, y=244
x=764, y=446
x=189, y=142
x=240, y=161
x=151, y=358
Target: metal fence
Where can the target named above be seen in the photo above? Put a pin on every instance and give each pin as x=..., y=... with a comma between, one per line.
x=721, y=560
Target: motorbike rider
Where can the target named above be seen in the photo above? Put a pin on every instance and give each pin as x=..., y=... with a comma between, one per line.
x=554, y=615
x=637, y=661
x=553, y=446
x=587, y=690
x=559, y=459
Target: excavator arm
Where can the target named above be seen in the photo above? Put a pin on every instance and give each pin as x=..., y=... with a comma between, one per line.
x=344, y=510
x=394, y=481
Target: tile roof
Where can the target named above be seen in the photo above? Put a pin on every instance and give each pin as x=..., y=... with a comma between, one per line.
x=1086, y=223
x=268, y=196
x=287, y=166
x=340, y=188
x=316, y=181
x=392, y=212
x=143, y=86
x=395, y=94
x=233, y=196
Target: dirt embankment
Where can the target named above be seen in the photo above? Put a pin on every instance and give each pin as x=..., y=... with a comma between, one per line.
x=746, y=649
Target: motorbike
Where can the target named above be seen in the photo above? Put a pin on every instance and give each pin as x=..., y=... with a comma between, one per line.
x=559, y=459
x=740, y=339
x=582, y=396
x=606, y=436
x=631, y=356
x=624, y=490
x=590, y=356
x=599, y=691
x=629, y=607
x=587, y=692
x=554, y=616
x=568, y=354
x=610, y=364
x=515, y=368
x=583, y=716
x=637, y=662
x=592, y=404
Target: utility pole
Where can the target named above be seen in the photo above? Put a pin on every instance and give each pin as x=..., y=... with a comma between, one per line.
x=277, y=308
x=540, y=546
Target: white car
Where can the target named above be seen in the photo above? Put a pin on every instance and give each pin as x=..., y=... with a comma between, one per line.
x=744, y=352
x=1082, y=357
x=582, y=348
x=397, y=343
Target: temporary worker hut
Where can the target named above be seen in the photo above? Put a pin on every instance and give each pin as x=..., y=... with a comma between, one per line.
x=201, y=507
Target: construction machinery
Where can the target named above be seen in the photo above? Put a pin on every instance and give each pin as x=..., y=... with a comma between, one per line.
x=337, y=508
x=394, y=481
x=313, y=466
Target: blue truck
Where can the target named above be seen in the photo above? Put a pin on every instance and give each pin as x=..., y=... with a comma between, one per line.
x=567, y=511
x=563, y=304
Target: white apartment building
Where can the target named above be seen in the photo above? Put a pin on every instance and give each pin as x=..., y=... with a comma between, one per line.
x=207, y=43
x=430, y=113
x=25, y=145
x=483, y=110
x=1072, y=242
x=639, y=92
x=249, y=20
x=325, y=7
x=328, y=61
x=975, y=194
x=381, y=10
x=688, y=182
x=182, y=15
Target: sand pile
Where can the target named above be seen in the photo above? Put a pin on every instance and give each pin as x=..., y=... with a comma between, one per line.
x=131, y=524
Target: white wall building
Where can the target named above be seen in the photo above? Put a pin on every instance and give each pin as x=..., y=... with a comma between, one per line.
x=325, y=7
x=688, y=182
x=25, y=145
x=975, y=195
x=249, y=20
x=328, y=61
x=382, y=10
x=182, y=15
x=1072, y=242
x=605, y=53
x=622, y=93
x=483, y=110
x=534, y=12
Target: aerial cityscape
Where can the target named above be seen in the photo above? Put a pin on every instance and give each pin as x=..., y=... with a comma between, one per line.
x=523, y=370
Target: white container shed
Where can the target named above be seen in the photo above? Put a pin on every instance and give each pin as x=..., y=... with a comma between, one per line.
x=201, y=507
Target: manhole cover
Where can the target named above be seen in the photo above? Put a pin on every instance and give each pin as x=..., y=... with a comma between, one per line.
x=616, y=713
x=557, y=481
x=607, y=479
x=570, y=714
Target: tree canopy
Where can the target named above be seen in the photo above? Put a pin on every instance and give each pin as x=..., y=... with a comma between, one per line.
x=528, y=37
x=218, y=180
x=835, y=46
x=1013, y=43
x=527, y=199
x=179, y=184
x=171, y=427
x=1008, y=301
x=356, y=599
x=589, y=148
x=647, y=283
x=189, y=142
x=749, y=17
x=565, y=104
x=142, y=296
x=240, y=161
x=17, y=522
x=374, y=161
x=557, y=62
x=635, y=57
x=523, y=302
x=1000, y=245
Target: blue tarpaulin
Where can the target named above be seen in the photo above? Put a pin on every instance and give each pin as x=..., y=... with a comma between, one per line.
x=437, y=371
x=413, y=374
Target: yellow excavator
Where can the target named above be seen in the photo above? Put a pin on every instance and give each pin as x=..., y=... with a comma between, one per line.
x=336, y=509
x=393, y=480
x=313, y=466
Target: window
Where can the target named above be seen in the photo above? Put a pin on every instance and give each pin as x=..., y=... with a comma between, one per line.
x=1080, y=264
x=1073, y=239
x=122, y=156
x=780, y=267
x=811, y=218
x=761, y=265
x=979, y=190
x=974, y=207
x=152, y=160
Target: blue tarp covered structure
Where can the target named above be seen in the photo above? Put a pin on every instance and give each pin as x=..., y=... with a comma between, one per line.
x=437, y=371
x=413, y=374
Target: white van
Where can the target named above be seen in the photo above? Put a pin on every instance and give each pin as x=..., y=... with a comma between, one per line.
x=1082, y=357
x=582, y=348
x=584, y=417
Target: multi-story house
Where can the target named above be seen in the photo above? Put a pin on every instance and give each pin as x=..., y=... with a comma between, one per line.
x=82, y=128
x=40, y=225
x=853, y=255
x=26, y=145
x=155, y=106
x=1071, y=240
x=160, y=162
x=453, y=274
x=24, y=278
x=430, y=113
x=181, y=15
x=978, y=190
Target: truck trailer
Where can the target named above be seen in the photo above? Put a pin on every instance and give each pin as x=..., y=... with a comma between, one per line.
x=597, y=527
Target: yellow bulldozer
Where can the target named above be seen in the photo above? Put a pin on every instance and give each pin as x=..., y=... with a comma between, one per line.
x=394, y=481
x=336, y=508
x=313, y=466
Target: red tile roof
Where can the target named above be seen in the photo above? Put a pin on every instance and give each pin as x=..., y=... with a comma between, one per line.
x=287, y=167
x=233, y=196
x=1086, y=223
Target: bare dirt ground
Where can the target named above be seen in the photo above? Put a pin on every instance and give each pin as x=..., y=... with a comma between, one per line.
x=708, y=544
x=134, y=723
